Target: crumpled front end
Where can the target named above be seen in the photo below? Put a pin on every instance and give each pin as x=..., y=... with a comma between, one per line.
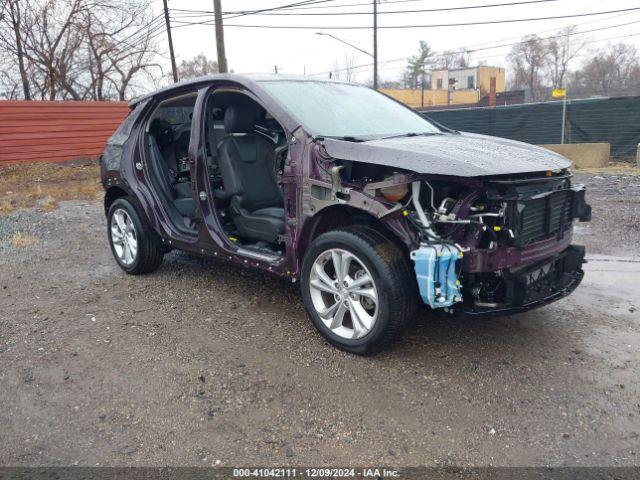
x=480, y=242
x=496, y=245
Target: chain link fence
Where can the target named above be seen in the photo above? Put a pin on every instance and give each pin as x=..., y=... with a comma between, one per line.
x=609, y=120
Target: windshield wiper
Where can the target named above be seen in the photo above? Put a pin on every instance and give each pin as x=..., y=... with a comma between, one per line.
x=410, y=134
x=346, y=138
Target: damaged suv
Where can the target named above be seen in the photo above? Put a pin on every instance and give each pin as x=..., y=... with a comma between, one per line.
x=373, y=208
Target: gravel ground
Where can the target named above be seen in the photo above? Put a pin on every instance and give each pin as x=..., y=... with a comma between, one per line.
x=202, y=363
x=615, y=228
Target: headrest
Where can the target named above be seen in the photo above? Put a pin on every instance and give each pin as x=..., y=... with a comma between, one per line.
x=240, y=118
x=162, y=131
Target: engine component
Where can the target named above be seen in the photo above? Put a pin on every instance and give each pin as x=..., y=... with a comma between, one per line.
x=435, y=267
x=394, y=193
x=336, y=182
x=424, y=221
x=533, y=210
x=446, y=206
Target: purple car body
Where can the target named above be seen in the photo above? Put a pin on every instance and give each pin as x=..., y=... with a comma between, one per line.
x=506, y=208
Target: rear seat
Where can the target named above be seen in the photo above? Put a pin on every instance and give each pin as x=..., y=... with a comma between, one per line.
x=163, y=145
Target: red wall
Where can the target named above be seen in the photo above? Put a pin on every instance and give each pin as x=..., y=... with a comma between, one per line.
x=32, y=131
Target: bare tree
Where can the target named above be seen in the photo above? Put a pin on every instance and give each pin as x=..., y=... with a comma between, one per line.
x=52, y=44
x=626, y=67
x=528, y=59
x=336, y=72
x=10, y=84
x=197, y=66
x=614, y=70
x=446, y=61
x=561, y=50
x=346, y=71
x=464, y=59
x=105, y=28
x=77, y=49
x=11, y=31
x=116, y=56
x=449, y=60
x=349, y=68
x=129, y=64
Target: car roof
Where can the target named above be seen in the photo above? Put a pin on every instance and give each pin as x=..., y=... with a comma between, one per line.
x=244, y=79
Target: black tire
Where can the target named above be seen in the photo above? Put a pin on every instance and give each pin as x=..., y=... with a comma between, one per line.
x=392, y=274
x=150, y=251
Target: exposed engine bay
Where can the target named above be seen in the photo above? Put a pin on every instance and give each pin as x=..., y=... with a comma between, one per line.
x=487, y=245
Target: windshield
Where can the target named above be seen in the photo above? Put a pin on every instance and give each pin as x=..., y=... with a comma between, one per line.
x=339, y=110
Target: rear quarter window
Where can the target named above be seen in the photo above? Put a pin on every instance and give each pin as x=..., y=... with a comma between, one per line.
x=113, y=149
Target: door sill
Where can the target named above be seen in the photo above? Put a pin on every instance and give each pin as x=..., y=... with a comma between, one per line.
x=262, y=256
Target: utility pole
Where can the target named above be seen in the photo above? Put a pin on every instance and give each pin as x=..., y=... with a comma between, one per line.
x=422, y=95
x=222, y=56
x=564, y=117
x=173, y=57
x=375, y=44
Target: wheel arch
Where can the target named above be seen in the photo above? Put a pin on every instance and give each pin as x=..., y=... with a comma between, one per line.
x=115, y=192
x=341, y=216
x=111, y=195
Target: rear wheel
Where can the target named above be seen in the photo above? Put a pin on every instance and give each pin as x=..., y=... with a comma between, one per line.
x=357, y=289
x=135, y=246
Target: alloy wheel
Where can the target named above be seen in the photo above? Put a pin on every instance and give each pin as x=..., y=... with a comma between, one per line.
x=124, y=237
x=343, y=293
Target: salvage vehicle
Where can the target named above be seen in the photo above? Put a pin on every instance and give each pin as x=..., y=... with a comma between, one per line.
x=373, y=208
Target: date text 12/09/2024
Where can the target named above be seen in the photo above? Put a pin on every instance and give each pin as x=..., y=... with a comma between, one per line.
x=315, y=473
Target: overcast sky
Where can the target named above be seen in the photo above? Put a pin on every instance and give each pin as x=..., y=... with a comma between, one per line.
x=302, y=51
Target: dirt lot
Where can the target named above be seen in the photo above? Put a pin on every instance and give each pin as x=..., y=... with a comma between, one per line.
x=202, y=363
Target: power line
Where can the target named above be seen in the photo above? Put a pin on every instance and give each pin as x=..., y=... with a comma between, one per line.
x=159, y=32
x=218, y=23
x=143, y=37
x=134, y=38
x=146, y=27
x=540, y=32
x=253, y=12
x=594, y=41
x=435, y=25
x=474, y=50
x=354, y=4
x=292, y=6
x=310, y=7
x=446, y=9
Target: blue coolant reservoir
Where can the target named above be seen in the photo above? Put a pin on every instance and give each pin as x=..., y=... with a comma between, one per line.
x=435, y=266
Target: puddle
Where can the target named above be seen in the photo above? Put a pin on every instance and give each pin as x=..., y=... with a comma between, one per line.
x=610, y=286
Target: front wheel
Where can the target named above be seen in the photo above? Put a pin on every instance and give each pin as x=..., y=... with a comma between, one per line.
x=135, y=246
x=357, y=288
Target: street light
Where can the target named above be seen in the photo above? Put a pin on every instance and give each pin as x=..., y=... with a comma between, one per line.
x=375, y=43
x=346, y=43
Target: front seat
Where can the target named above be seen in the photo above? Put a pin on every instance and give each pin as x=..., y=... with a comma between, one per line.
x=247, y=166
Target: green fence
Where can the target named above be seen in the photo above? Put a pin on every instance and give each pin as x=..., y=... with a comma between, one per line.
x=609, y=120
